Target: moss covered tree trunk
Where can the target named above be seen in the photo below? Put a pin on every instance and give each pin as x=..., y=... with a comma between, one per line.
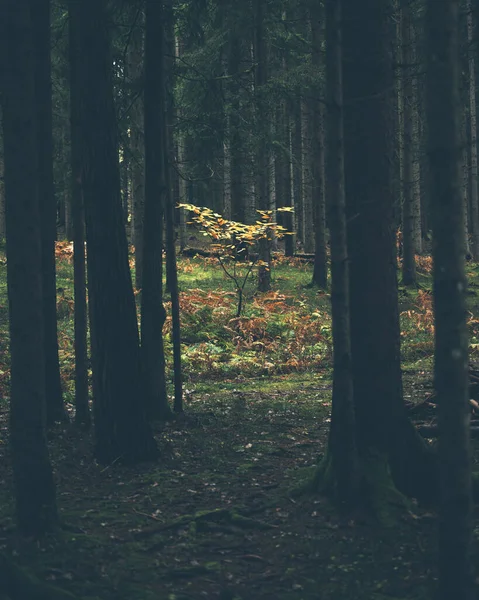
x=451, y=341
x=388, y=443
x=121, y=426
x=36, y=511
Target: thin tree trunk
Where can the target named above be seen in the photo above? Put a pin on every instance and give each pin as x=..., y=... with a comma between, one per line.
x=409, y=250
x=2, y=197
x=121, y=427
x=451, y=343
x=308, y=220
x=82, y=410
x=40, y=11
x=297, y=158
x=263, y=157
x=153, y=313
x=172, y=273
x=320, y=270
x=236, y=155
x=36, y=511
x=473, y=135
x=137, y=165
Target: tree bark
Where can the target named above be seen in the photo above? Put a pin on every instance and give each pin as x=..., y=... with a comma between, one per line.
x=449, y=284
x=341, y=463
x=386, y=438
x=40, y=11
x=137, y=165
x=121, y=427
x=320, y=270
x=82, y=409
x=263, y=156
x=153, y=313
x=36, y=511
x=409, y=159
x=473, y=135
x=297, y=158
x=308, y=220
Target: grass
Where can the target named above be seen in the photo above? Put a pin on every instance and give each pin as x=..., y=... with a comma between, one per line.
x=214, y=517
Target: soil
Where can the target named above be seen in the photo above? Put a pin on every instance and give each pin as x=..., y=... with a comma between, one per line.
x=217, y=516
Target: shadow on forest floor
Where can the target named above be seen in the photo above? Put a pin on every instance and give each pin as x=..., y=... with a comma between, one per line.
x=214, y=517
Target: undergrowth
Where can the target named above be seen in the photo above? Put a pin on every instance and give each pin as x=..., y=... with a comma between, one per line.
x=287, y=330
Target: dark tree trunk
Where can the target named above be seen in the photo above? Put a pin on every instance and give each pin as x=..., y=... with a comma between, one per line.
x=153, y=313
x=135, y=66
x=82, y=410
x=36, y=511
x=260, y=53
x=320, y=270
x=385, y=436
x=297, y=151
x=451, y=340
x=341, y=458
x=172, y=190
x=40, y=10
x=408, y=109
x=121, y=426
x=237, y=159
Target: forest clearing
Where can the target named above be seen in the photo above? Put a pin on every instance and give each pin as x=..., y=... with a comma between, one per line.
x=219, y=514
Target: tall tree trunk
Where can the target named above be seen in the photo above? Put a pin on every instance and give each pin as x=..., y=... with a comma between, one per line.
x=320, y=270
x=451, y=343
x=473, y=135
x=153, y=313
x=408, y=109
x=297, y=158
x=121, y=427
x=385, y=436
x=236, y=151
x=263, y=157
x=40, y=11
x=2, y=196
x=36, y=511
x=172, y=174
x=82, y=410
x=308, y=220
x=135, y=68
x=341, y=463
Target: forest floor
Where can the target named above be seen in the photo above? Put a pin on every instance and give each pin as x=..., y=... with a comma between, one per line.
x=217, y=517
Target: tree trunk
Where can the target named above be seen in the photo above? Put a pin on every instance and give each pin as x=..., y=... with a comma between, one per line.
x=385, y=436
x=263, y=157
x=153, y=313
x=40, y=11
x=320, y=270
x=341, y=463
x=236, y=151
x=473, y=135
x=308, y=220
x=449, y=284
x=121, y=426
x=137, y=165
x=297, y=158
x=82, y=410
x=36, y=511
x=2, y=196
x=408, y=110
